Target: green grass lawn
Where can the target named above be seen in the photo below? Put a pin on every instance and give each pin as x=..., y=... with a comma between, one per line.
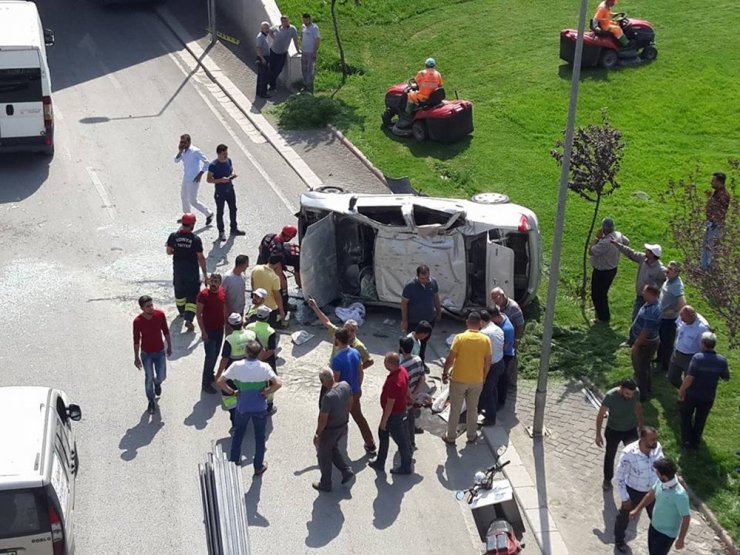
x=675, y=113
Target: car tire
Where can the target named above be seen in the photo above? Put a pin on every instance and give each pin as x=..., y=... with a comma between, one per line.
x=608, y=58
x=419, y=131
x=329, y=189
x=649, y=53
x=490, y=198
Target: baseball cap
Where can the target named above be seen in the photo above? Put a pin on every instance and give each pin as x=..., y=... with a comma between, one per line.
x=430, y=62
x=235, y=319
x=188, y=219
x=263, y=311
x=656, y=249
x=261, y=293
x=289, y=231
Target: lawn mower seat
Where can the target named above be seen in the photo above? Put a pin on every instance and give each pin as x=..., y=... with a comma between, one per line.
x=435, y=99
x=598, y=31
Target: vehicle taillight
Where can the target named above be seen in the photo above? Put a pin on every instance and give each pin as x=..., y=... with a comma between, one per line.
x=524, y=223
x=57, y=531
x=48, y=112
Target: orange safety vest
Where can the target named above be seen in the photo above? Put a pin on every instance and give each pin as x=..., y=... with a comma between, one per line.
x=428, y=80
x=603, y=16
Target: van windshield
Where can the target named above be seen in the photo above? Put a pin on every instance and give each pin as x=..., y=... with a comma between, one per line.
x=22, y=513
x=20, y=85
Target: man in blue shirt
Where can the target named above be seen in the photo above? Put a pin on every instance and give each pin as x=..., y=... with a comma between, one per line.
x=644, y=337
x=671, y=302
x=420, y=301
x=221, y=174
x=699, y=388
x=502, y=321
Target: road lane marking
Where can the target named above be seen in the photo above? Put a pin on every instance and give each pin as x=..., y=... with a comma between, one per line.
x=102, y=193
x=89, y=43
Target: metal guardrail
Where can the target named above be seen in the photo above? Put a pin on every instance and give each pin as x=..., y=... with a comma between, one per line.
x=224, y=506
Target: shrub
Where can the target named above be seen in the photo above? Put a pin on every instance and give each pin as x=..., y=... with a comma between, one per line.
x=306, y=111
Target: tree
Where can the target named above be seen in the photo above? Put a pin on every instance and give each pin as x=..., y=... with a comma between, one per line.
x=335, y=23
x=594, y=163
x=719, y=284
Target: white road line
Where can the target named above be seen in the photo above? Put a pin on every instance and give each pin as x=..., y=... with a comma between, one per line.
x=89, y=43
x=107, y=204
x=185, y=59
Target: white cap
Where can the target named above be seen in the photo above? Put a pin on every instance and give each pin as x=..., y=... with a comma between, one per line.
x=656, y=249
x=260, y=293
x=235, y=319
x=263, y=311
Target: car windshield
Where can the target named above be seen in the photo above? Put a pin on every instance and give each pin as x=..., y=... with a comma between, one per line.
x=22, y=513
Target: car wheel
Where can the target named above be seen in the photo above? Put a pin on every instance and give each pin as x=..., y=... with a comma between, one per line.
x=329, y=189
x=649, y=53
x=419, y=130
x=490, y=198
x=608, y=58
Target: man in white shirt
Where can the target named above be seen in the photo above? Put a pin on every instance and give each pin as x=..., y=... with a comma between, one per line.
x=635, y=478
x=691, y=325
x=488, y=401
x=194, y=163
x=310, y=41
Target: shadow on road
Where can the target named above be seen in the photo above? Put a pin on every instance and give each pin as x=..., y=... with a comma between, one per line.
x=23, y=175
x=327, y=518
x=252, y=500
x=202, y=411
x=140, y=435
x=387, y=504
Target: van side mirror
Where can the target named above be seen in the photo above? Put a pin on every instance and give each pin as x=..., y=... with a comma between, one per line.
x=74, y=412
x=48, y=37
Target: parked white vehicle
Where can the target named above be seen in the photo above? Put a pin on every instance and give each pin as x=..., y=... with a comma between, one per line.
x=365, y=247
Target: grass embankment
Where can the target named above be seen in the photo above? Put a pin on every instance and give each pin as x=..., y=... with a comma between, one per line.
x=503, y=55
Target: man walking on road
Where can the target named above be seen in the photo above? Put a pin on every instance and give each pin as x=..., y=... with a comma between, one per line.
x=420, y=302
x=514, y=313
x=699, y=388
x=310, y=41
x=604, y=264
x=393, y=421
x=488, y=402
x=644, y=338
x=210, y=310
x=691, y=326
x=254, y=381
x=221, y=174
x=671, y=513
x=625, y=415
x=671, y=302
x=281, y=35
x=262, y=48
x=331, y=428
x=417, y=383
x=194, y=163
x=235, y=287
x=635, y=478
x=650, y=270
x=186, y=250
x=149, y=328
x=467, y=365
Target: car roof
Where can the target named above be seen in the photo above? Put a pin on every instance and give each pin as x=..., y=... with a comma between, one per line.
x=19, y=24
x=21, y=444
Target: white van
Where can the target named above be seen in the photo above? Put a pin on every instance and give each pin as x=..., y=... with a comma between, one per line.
x=26, y=115
x=38, y=467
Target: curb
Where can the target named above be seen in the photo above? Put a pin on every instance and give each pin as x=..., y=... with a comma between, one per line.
x=358, y=153
x=695, y=500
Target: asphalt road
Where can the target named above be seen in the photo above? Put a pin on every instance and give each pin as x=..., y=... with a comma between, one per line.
x=83, y=237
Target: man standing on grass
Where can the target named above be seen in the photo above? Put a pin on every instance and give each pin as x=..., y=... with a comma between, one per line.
x=281, y=35
x=194, y=163
x=420, y=301
x=310, y=41
x=644, y=338
x=221, y=174
x=671, y=513
x=650, y=270
x=717, y=205
x=625, y=415
x=235, y=287
x=691, y=325
x=604, y=264
x=699, y=389
x=149, y=328
x=635, y=478
x=671, y=302
x=211, y=304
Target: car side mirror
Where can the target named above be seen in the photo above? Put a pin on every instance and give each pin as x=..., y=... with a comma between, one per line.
x=74, y=412
x=48, y=37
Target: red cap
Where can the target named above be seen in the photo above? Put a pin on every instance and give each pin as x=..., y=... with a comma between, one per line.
x=289, y=231
x=188, y=219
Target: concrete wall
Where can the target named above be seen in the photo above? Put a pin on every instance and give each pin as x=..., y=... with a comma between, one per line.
x=248, y=14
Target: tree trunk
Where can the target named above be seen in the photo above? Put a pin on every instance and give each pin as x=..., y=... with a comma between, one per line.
x=342, y=62
x=584, y=277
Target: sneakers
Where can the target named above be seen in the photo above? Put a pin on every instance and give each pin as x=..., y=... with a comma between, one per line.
x=209, y=219
x=621, y=547
x=271, y=409
x=208, y=388
x=376, y=465
x=190, y=327
x=222, y=237
x=447, y=440
x=261, y=471
x=318, y=487
x=418, y=430
x=370, y=449
x=238, y=232
x=158, y=389
x=348, y=477
x=150, y=407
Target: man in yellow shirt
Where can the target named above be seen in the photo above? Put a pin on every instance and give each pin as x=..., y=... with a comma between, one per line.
x=469, y=359
x=605, y=21
x=265, y=277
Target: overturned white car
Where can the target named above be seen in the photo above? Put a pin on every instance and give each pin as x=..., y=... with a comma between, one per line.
x=365, y=248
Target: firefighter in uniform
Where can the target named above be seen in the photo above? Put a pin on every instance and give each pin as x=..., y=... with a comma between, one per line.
x=186, y=250
x=272, y=241
x=235, y=348
x=267, y=338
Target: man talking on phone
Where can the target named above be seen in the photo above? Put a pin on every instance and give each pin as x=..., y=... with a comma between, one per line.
x=221, y=174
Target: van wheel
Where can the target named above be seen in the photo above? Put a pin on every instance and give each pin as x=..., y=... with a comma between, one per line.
x=329, y=189
x=490, y=198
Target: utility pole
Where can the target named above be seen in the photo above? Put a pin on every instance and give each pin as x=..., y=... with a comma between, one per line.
x=212, y=20
x=538, y=427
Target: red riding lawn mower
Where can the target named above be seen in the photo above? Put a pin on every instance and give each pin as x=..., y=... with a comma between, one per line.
x=437, y=119
x=601, y=48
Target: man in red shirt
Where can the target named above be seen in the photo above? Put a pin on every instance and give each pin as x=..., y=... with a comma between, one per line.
x=210, y=310
x=393, y=422
x=149, y=328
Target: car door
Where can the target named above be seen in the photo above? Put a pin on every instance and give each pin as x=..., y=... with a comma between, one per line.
x=499, y=268
x=21, y=95
x=319, y=261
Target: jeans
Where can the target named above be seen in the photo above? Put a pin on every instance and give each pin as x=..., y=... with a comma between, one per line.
x=308, y=69
x=641, y=361
x=711, y=235
x=395, y=428
x=507, y=378
x=189, y=197
x=667, y=340
x=259, y=421
x=613, y=439
x=601, y=281
x=277, y=62
x=423, y=347
x=356, y=412
x=155, y=371
x=212, y=347
x=470, y=392
x=659, y=543
x=330, y=453
x=694, y=413
x=412, y=413
x=639, y=301
x=225, y=195
x=263, y=77
x=488, y=401
x=623, y=517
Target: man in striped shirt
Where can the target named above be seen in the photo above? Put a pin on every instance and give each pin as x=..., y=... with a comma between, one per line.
x=417, y=383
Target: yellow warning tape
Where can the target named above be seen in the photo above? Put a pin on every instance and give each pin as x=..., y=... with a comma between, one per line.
x=227, y=38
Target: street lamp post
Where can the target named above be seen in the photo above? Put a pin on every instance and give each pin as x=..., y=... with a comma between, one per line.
x=538, y=427
x=212, y=20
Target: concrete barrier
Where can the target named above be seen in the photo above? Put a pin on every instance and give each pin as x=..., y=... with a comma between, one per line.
x=248, y=14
